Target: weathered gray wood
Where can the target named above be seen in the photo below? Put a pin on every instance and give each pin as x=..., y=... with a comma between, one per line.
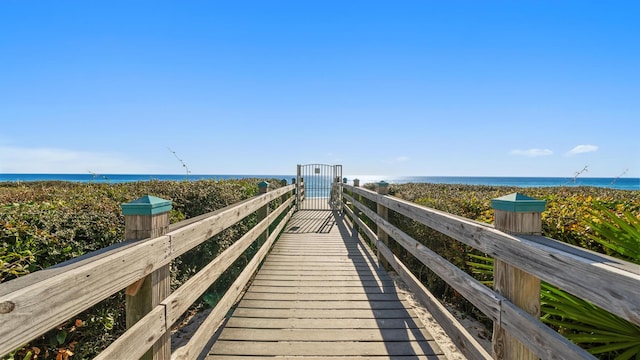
x=320, y=277
x=192, y=235
x=383, y=212
x=396, y=357
x=325, y=283
x=93, y=276
x=250, y=295
x=322, y=313
x=322, y=348
x=537, y=336
x=479, y=295
x=520, y=287
x=322, y=290
x=586, y=274
x=93, y=281
x=201, y=337
x=147, y=293
x=467, y=344
x=325, y=304
x=178, y=302
x=310, y=324
x=544, y=341
x=335, y=335
x=140, y=337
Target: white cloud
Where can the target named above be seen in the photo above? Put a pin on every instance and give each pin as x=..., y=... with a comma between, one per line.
x=580, y=149
x=532, y=152
x=52, y=160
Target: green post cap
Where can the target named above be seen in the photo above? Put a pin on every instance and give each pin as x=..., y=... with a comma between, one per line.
x=263, y=184
x=517, y=202
x=344, y=180
x=283, y=182
x=383, y=183
x=146, y=205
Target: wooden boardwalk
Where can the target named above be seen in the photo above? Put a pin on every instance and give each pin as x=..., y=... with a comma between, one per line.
x=320, y=294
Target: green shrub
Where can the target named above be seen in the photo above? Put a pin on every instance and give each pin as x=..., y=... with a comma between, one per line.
x=46, y=223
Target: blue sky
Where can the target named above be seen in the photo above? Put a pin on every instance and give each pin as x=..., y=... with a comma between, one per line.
x=432, y=88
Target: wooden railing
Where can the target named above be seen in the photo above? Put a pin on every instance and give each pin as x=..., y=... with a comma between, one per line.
x=607, y=282
x=33, y=304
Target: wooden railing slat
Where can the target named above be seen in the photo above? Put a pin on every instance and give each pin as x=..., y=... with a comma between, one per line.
x=492, y=304
x=202, y=336
x=139, y=338
x=614, y=288
x=181, y=299
x=479, y=295
x=467, y=344
x=74, y=286
x=45, y=304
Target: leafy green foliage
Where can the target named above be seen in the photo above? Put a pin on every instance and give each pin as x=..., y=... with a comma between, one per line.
x=46, y=223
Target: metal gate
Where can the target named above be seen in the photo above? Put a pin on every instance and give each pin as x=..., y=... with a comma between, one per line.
x=315, y=186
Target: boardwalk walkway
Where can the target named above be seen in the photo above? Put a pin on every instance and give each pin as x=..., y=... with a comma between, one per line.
x=321, y=294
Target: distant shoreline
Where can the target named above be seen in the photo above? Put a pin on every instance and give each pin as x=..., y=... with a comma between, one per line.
x=622, y=183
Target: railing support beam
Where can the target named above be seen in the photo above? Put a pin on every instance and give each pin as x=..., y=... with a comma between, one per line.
x=148, y=217
x=516, y=214
x=383, y=189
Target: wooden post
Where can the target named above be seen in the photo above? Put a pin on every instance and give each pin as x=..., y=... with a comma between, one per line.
x=356, y=197
x=383, y=212
x=148, y=217
x=516, y=214
x=284, y=197
x=263, y=212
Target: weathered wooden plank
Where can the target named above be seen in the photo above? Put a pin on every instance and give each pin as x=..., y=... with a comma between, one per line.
x=337, y=335
x=310, y=324
x=479, y=295
x=93, y=282
x=324, y=283
x=320, y=297
x=467, y=344
x=187, y=237
x=323, y=313
x=323, y=290
x=322, y=348
x=178, y=302
x=326, y=304
x=380, y=357
x=583, y=273
x=542, y=340
x=202, y=336
x=320, y=277
x=139, y=338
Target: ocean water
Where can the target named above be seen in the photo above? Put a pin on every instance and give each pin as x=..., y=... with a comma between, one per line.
x=613, y=183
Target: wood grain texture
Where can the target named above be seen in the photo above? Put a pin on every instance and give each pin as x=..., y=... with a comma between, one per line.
x=323, y=294
x=99, y=275
x=610, y=283
x=456, y=331
x=140, y=337
x=202, y=336
x=542, y=340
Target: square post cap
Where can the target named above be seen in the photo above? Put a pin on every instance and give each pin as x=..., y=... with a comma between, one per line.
x=283, y=182
x=146, y=205
x=263, y=184
x=517, y=202
x=344, y=180
x=383, y=184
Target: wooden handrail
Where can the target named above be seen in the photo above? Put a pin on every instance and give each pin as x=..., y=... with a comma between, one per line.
x=36, y=303
x=610, y=283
